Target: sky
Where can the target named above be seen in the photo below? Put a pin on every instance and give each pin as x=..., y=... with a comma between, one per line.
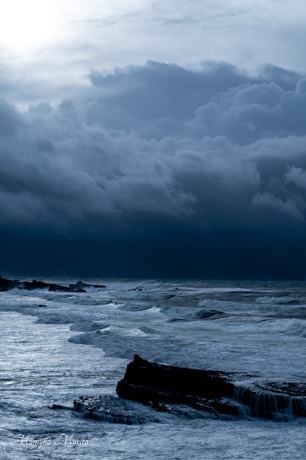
x=152, y=139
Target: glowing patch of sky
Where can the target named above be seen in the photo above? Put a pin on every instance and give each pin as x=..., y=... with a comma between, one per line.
x=62, y=40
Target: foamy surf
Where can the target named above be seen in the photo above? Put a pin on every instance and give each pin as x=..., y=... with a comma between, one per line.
x=58, y=346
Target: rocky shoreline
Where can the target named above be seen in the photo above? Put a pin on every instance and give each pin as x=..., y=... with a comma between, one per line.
x=7, y=285
x=164, y=388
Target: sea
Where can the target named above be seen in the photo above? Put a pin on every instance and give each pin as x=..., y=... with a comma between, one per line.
x=58, y=346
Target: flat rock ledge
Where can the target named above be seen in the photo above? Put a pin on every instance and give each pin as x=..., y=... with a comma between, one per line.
x=212, y=391
x=170, y=389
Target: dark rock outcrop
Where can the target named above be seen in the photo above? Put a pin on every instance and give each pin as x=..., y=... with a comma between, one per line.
x=212, y=391
x=59, y=407
x=188, y=393
x=145, y=381
x=6, y=285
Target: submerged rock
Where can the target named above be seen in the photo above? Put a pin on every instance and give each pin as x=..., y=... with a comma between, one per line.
x=59, y=407
x=110, y=409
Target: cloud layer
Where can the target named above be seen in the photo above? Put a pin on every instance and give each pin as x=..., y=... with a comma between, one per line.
x=158, y=170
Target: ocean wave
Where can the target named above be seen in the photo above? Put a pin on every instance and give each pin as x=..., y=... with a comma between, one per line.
x=277, y=300
x=296, y=328
x=87, y=326
x=188, y=313
x=134, y=307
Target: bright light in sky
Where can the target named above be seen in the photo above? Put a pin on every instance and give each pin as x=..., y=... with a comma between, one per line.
x=34, y=23
x=24, y=24
x=61, y=40
x=114, y=25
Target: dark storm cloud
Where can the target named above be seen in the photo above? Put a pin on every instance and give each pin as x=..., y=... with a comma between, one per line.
x=159, y=171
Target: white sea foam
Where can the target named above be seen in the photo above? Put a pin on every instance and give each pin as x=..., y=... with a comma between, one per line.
x=296, y=328
x=277, y=300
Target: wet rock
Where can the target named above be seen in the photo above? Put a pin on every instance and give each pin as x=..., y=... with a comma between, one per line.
x=60, y=407
x=111, y=409
x=212, y=391
x=6, y=285
x=58, y=288
x=145, y=381
x=33, y=285
x=80, y=285
x=169, y=389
